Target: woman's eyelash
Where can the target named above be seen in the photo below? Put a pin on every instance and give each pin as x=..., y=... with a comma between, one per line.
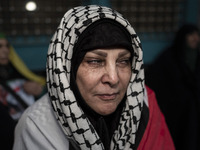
x=127, y=60
x=95, y=61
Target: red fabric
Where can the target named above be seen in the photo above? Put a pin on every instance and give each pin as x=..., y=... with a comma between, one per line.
x=156, y=135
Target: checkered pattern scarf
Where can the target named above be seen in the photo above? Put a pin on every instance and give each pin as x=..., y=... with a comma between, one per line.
x=75, y=125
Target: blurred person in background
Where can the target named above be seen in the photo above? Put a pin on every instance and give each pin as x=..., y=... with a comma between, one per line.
x=175, y=78
x=19, y=88
x=18, y=85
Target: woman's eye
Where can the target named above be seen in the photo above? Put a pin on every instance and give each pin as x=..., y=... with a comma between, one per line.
x=7, y=45
x=124, y=62
x=95, y=62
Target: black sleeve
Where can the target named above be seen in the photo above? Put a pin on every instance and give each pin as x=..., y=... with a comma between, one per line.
x=7, y=127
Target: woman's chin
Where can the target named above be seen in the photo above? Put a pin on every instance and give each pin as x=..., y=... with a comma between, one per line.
x=106, y=110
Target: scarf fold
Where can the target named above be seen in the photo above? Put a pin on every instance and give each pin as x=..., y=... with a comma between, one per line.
x=72, y=119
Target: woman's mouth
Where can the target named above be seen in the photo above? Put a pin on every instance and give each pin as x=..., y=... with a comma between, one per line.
x=107, y=97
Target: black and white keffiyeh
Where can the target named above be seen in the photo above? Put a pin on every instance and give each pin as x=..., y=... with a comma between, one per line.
x=70, y=116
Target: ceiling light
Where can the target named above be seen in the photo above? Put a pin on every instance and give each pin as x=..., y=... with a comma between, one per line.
x=31, y=6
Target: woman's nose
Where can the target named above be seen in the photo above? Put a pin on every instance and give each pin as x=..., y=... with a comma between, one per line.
x=111, y=75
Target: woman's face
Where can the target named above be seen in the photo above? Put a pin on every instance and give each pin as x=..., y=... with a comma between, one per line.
x=103, y=77
x=4, y=52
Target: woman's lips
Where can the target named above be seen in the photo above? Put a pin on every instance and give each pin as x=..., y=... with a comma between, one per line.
x=107, y=97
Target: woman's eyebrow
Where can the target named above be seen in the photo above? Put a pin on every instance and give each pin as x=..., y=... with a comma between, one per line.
x=100, y=53
x=121, y=54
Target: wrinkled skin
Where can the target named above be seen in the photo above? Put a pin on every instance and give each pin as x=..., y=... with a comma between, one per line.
x=103, y=77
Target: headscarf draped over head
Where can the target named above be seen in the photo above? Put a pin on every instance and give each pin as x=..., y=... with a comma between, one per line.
x=70, y=116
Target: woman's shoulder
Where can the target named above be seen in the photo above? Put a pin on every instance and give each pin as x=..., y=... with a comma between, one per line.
x=35, y=117
x=156, y=135
x=39, y=109
x=39, y=114
x=38, y=127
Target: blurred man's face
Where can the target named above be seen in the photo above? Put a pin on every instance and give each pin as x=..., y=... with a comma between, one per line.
x=193, y=40
x=4, y=52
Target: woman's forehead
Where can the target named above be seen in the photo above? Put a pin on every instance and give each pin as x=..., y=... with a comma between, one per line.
x=104, y=52
x=3, y=41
